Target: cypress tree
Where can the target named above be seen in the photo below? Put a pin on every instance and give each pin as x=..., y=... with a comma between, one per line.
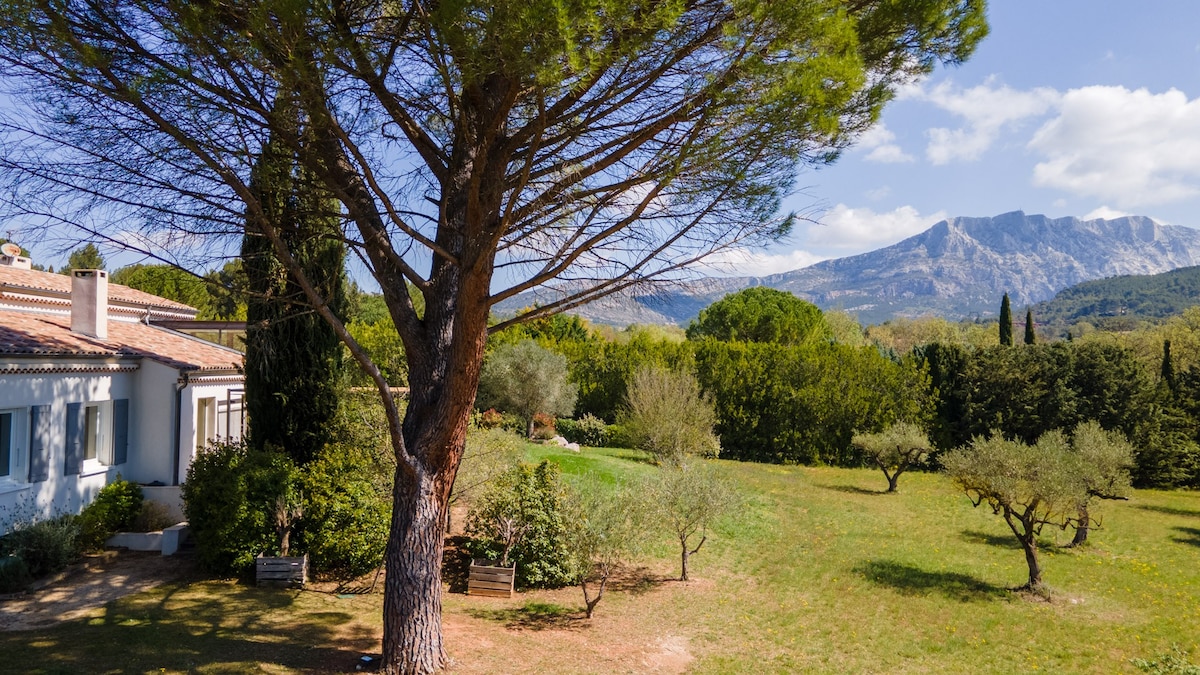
x=1006, y=324
x=1030, y=337
x=293, y=357
x=1168, y=367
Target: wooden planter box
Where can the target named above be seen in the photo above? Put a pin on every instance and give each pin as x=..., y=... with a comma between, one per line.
x=278, y=571
x=488, y=578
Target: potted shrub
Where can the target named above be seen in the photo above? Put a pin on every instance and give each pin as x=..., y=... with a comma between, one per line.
x=283, y=569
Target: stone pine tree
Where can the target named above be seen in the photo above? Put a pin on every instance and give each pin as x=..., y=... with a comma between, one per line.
x=1167, y=371
x=1006, y=322
x=86, y=257
x=293, y=356
x=478, y=150
x=1030, y=336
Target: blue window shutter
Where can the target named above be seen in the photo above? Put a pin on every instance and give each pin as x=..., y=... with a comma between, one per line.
x=75, y=430
x=120, y=430
x=39, y=443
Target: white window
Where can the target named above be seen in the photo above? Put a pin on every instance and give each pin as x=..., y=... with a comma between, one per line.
x=206, y=422
x=97, y=434
x=13, y=440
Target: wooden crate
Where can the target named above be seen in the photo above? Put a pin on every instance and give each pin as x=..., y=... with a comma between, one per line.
x=280, y=571
x=487, y=578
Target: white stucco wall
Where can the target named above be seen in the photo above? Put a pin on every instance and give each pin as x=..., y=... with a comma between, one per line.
x=189, y=398
x=21, y=500
x=152, y=424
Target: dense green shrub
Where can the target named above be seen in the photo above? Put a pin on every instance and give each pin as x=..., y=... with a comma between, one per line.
x=347, y=512
x=525, y=510
x=14, y=574
x=617, y=436
x=803, y=404
x=113, y=510
x=46, y=546
x=230, y=499
x=588, y=430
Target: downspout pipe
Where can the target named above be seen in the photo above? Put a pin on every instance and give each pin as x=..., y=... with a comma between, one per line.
x=180, y=385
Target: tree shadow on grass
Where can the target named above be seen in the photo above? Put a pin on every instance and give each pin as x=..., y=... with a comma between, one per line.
x=1192, y=536
x=636, y=580
x=1169, y=510
x=912, y=580
x=196, y=627
x=533, y=616
x=998, y=540
x=854, y=490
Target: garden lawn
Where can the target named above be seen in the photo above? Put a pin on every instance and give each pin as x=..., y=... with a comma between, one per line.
x=819, y=572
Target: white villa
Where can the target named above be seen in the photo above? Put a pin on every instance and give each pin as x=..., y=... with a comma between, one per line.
x=91, y=388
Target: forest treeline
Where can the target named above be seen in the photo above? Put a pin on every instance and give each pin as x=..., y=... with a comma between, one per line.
x=792, y=384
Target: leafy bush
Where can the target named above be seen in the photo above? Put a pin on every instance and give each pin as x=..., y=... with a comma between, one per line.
x=152, y=517
x=113, y=510
x=667, y=416
x=347, y=512
x=543, y=427
x=588, y=430
x=525, y=512
x=1174, y=662
x=230, y=499
x=46, y=547
x=14, y=574
x=618, y=436
x=487, y=419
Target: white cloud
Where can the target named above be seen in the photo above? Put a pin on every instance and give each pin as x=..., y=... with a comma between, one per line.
x=878, y=193
x=1133, y=148
x=839, y=232
x=743, y=262
x=986, y=110
x=848, y=231
x=883, y=149
x=1104, y=213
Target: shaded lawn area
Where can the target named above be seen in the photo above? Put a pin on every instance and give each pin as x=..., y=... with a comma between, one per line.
x=820, y=572
x=204, y=627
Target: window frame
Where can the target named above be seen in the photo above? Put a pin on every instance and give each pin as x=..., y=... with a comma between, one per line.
x=18, y=449
x=102, y=438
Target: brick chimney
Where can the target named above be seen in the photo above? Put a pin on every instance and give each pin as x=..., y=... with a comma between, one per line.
x=89, y=303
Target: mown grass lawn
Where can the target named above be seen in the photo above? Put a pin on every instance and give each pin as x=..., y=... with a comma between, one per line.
x=820, y=572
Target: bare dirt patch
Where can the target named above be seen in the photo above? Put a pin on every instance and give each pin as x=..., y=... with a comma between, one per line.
x=87, y=586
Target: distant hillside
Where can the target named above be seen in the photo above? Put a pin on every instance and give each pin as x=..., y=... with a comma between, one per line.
x=957, y=269
x=1124, y=299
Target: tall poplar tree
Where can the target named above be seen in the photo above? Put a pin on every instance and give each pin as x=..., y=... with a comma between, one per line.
x=1167, y=370
x=293, y=356
x=1006, y=323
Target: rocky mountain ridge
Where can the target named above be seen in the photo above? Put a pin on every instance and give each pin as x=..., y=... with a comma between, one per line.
x=958, y=269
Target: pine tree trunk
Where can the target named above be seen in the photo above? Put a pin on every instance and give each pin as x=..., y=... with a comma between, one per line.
x=412, y=607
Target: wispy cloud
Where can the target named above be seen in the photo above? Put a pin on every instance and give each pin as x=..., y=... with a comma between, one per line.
x=986, y=110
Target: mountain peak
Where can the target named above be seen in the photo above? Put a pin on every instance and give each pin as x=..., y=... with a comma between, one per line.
x=958, y=268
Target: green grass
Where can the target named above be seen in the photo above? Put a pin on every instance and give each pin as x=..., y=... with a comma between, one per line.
x=820, y=572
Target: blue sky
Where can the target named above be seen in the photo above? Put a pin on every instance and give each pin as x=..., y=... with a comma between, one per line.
x=1068, y=108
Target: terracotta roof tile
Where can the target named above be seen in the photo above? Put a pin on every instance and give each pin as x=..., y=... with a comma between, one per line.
x=32, y=334
x=61, y=283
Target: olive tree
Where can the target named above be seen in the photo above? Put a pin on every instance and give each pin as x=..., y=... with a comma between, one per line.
x=1104, y=459
x=526, y=378
x=895, y=450
x=609, y=529
x=1030, y=486
x=686, y=500
x=477, y=151
x=668, y=416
